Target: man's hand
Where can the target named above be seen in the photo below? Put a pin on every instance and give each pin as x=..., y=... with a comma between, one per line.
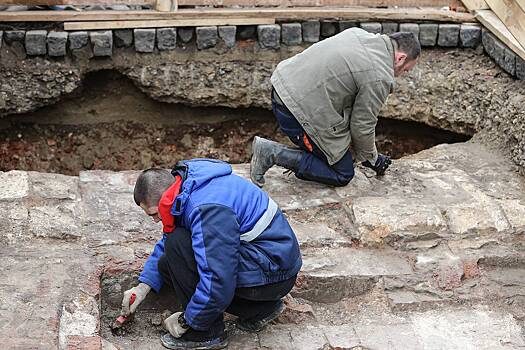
x=140, y=292
x=176, y=325
x=381, y=164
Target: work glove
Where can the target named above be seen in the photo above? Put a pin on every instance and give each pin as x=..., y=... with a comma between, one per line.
x=176, y=324
x=130, y=303
x=381, y=164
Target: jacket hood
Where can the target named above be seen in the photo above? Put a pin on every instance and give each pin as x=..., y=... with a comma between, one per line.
x=196, y=173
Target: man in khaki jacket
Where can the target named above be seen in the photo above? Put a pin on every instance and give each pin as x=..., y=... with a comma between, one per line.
x=328, y=97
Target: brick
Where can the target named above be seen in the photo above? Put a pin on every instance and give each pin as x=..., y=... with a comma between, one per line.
x=311, y=31
x=78, y=40
x=144, y=39
x=102, y=42
x=269, y=36
x=428, y=33
x=292, y=33
x=247, y=32
x=185, y=34
x=329, y=28
x=227, y=34
x=56, y=43
x=36, y=42
x=469, y=35
x=410, y=28
x=448, y=35
x=372, y=27
x=11, y=36
x=123, y=37
x=206, y=37
x=166, y=38
x=389, y=27
x=344, y=25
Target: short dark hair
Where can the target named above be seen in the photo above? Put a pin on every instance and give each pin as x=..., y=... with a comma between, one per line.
x=150, y=186
x=408, y=43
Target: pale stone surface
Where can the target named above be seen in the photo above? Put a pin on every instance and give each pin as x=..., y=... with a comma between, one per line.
x=54, y=186
x=52, y=221
x=13, y=224
x=313, y=235
x=514, y=210
x=13, y=185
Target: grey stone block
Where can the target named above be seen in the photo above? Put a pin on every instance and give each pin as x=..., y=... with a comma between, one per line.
x=428, y=33
x=372, y=27
x=329, y=28
x=36, y=42
x=292, y=33
x=166, y=38
x=206, y=37
x=448, y=35
x=102, y=43
x=185, y=34
x=227, y=34
x=502, y=55
x=469, y=35
x=489, y=44
x=344, y=25
x=1, y=38
x=56, y=44
x=11, y=36
x=247, y=32
x=269, y=36
x=389, y=27
x=520, y=68
x=123, y=37
x=508, y=63
x=410, y=28
x=311, y=31
x=78, y=40
x=144, y=39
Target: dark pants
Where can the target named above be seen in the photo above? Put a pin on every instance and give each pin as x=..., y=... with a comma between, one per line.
x=179, y=269
x=314, y=165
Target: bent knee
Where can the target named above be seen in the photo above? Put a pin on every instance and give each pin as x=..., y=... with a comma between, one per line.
x=344, y=179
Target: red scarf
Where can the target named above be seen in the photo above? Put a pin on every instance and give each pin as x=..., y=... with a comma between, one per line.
x=165, y=204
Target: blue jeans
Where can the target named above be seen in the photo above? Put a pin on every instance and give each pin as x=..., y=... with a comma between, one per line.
x=314, y=165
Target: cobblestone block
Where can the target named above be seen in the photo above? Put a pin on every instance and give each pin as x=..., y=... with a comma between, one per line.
x=489, y=43
x=185, y=34
x=269, y=36
x=501, y=54
x=509, y=61
x=410, y=27
x=227, y=34
x=247, y=32
x=13, y=185
x=102, y=42
x=36, y=42
x=448, y=35
x=11, y=36
x=56, y=43
x=311, y=31
x=428, y=33
x=372, y=27
x=144, y=39
x=520, y=68
x=206, y=37
x=329, y=28
x=1, y=38
x=78, y=40
x=292, y=33
x=469, y=35
x=344, y=25
x=166, y=38
x=389, y=27
x=123, y=37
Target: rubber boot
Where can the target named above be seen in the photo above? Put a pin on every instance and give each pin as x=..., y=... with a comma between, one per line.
x=266, y=153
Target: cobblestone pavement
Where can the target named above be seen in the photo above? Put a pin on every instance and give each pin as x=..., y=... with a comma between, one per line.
x=430, y=256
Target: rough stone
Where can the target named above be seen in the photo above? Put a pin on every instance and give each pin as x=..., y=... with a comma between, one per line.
x=247, y=32
x=292, y=33
x=269, y=36
x=388, y=335
x=206, y=37
x=78, y=40
x=185, y=34
x=311, y=31
x=520, y=68
x=372, y=27
x=479, y=216
x=144, y=39
x=448, y=35
x=13, y=225
x=344, y=25
x=1, y=38
x=227, y=34
x=123, y=37
x=52, y=221
x=102, y=43
x=13, y=185
x=56, y=44
x=53, y=186
x=389, y=27
x=328, y=28
x=410, y=27
x=503, y=56
x=428, y=33
x=469, y=35
x=36, y=42
x=166, y=38
x=509, y=61
x=12, y=36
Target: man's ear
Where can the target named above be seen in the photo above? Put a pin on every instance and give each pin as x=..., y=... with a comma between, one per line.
x=400, y=58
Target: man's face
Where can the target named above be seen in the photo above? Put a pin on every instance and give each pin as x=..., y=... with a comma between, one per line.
x=153, y=212
x=401, y=64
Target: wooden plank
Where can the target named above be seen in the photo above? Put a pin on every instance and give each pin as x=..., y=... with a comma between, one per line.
x=93, y=25
x=494, y=24
x=473, y=5
x=521, y=3
x=165, y=5
x=511, y=14
x=357, y=13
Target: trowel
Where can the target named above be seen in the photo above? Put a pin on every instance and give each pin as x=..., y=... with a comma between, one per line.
x=119, y=322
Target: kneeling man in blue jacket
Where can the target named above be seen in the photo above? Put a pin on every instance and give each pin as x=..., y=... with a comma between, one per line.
x=226, y=247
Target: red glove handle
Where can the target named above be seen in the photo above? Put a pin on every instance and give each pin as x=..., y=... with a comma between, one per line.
x=132, y=298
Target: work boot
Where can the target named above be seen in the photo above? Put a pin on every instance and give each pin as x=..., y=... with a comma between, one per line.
x=266, y=153
x=170, y=342
x=255, y=325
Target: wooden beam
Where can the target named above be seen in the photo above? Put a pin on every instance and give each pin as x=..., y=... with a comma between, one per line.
x=511, y=14
x=521, y=3
x=496, y=26
x=165, y=23
x=357, y=13
x=473, y=5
